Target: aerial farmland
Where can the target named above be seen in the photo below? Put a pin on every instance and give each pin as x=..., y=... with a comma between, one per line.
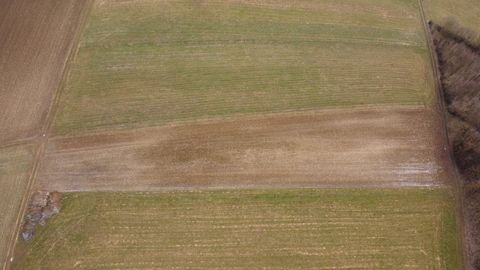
x=227, y=134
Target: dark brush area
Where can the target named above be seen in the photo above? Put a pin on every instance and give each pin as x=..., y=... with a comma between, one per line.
x=459, y=62
x=458, y=56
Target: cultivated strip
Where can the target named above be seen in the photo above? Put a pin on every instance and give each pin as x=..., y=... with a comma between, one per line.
x=362, y=147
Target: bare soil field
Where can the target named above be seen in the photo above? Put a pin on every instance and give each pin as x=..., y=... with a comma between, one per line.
x=244, y=229
x=147, y=63
x=36, y=38
x=15, y=167
x=361, y=147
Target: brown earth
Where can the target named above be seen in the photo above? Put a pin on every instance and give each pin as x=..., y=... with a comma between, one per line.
x=362, y=147
x=36, y=39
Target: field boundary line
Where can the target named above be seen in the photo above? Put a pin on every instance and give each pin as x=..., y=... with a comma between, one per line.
x=213, y=120
x=457, y=180
x=19, y=142
x=40, y=141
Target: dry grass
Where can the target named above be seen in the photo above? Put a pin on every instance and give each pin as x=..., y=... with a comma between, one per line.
x=299, y=229
x=145, y=63
x=15, y=167
x=362, y=147
x=466, y=12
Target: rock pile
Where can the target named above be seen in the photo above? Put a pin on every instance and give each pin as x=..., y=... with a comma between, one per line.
x=43, y=206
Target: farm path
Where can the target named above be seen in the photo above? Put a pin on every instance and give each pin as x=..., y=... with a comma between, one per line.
x=37, y=40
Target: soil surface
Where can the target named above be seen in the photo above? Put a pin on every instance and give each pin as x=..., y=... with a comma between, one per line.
x=36, y=39
x=340, y=148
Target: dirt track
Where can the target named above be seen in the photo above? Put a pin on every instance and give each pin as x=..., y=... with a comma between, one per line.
x=36, y=38
x=364, y=147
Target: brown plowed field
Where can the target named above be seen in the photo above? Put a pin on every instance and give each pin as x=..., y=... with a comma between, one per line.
x=362, y=147
x=36, y=38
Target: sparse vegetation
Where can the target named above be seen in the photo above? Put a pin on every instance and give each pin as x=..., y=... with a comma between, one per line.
x=146, y=63
x=465, y=12
x=357, y=69
x=15, y=165
x=245, y=229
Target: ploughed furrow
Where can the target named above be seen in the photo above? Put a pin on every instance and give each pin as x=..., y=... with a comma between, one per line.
x=36, y=40
x=361, y=147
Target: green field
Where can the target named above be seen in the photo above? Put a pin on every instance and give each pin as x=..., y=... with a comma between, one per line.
x=296, y=229
x=15, y=168
x=144, y=63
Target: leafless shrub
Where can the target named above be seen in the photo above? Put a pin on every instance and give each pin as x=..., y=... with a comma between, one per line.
x=460, y=74
x=459, y=62
x=465, y=141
